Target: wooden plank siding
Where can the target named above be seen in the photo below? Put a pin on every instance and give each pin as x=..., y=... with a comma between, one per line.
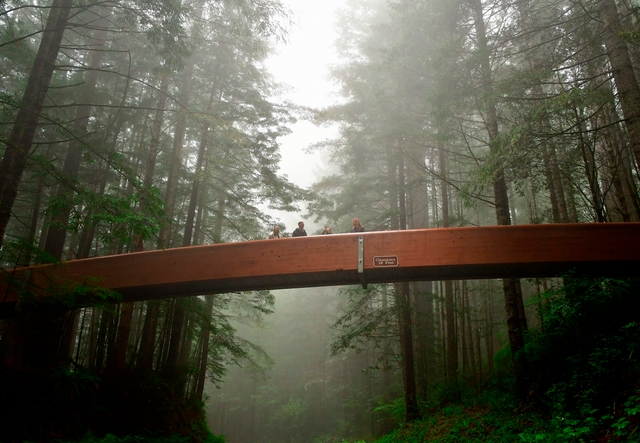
x=388, y=256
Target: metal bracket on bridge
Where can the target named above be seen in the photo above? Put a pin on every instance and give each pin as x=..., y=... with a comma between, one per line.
x=361, y=261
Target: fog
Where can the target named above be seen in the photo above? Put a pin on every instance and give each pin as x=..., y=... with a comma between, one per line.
x=133, y=127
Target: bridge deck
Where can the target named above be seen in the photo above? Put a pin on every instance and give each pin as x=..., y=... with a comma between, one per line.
x=388, y=256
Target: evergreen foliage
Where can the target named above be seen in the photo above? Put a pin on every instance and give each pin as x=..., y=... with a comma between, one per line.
x=590, y=337
x=127, y=86
x=585, y=370
x=160, y=128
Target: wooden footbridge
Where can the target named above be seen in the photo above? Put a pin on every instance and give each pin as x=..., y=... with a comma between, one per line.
x=345, y=259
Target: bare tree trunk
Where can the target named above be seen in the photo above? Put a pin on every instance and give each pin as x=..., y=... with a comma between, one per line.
x=452, y=342
x=26, y=256
x=386, y=370
x=478, y=343
x=623, y=74
x=165, y=333
x=104, y=337
x=469, y=330
x=176, y=156
x=172, y=362
x=570, y=197
x=24, y=128
x=619, y=167
x=88, y=233
x=404, y=297
x=462, y=330
x=513, y=298
x=77, y=358
x=154, y=146
x=122, y=337
x=406, y=345
x=443, y=332
x=591, y=172
x=558, y=203
x=630, y=188
x=58, y=229
x=186, y=343
x=198, y=233
x=191, y=213
x=94, y=327
x=401, y=294
x=148, y=339
x=205, y=334
x=422, y=291
x=488, y=329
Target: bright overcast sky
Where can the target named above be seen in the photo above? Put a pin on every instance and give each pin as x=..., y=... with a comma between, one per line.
x=303, y=64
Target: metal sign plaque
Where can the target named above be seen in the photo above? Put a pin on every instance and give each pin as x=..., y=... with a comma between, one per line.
x=385, y=261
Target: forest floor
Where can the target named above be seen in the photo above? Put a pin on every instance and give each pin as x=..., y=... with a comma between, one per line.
x=496, y=417
x=584, y=377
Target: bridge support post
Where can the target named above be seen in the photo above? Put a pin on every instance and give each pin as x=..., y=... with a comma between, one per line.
x=363, y=282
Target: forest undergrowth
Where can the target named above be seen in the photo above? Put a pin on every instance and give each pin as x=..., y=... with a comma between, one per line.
x=584, y=386
x=83, y=406
x=584, y=377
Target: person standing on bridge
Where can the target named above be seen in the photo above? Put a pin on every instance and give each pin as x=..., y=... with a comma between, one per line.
x=276, y=232
x=357, y=226
x=299, y=231
x=327, y=230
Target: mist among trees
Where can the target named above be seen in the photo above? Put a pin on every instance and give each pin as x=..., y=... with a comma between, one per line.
x=133, y=126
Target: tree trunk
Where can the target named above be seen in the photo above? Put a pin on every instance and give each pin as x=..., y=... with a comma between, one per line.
x=512, y=296
x=452, y=342
x=617, y=168
x=148, y=339
x=556, y=196
x=103, y=337
x=406, y=345
x=386, y=370
x=94, y=328
x=154, y=147
x=176, y=155
x=27, y=256
x=176, y=332
x=24, y=128
x=591, y=171
x=488, y=329
x=89, y=231
x=469, y=332
x=191, y=213
x=205, y=334
x=623, y=74
x=122, y=338
x=401, y=293
x=462, y=329
x=422, y=291
x=58, y=229
x=478, y=343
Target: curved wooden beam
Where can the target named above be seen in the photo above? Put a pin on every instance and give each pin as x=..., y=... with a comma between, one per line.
x=388, y=256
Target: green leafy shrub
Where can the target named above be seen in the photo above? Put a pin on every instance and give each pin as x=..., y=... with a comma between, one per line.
x=395, y=409
x=585, y=357
x=585, y=373
x=491, y=418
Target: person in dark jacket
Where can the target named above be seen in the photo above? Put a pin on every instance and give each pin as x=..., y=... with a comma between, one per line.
x=299, y=231
x=357, y=226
